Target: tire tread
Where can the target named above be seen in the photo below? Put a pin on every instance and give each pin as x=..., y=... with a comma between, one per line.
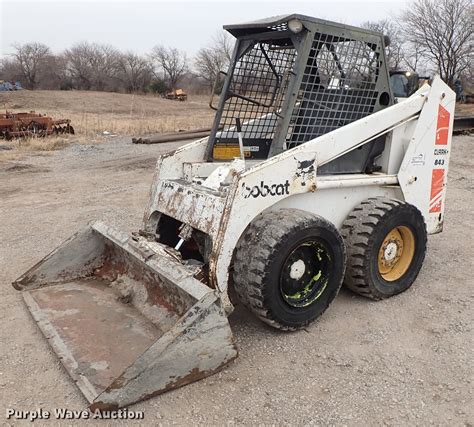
x=253, y=254
x=357, y=231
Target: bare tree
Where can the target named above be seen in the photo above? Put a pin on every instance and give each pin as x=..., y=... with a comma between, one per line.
x=9, y=70
x=105, y=64
x=172, y=62
x=389, y=28
x=225, y=44
x=135, y=72
x=61, y=72
x=30, y=57
x=78, y=65
x=93, y=66
x=214, y=58
x=444, y=31
x=414, y=57
x=52, y=74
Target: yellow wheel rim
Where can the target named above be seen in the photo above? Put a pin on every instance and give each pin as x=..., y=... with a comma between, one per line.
x=396, y=253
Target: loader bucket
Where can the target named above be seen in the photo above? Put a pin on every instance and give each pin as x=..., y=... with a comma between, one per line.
x=125, y=316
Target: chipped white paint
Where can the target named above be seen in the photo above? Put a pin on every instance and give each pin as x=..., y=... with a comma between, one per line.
x=289, y=179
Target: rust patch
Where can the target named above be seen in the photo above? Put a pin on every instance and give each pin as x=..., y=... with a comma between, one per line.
x=194, y=375
x=119, y=264
x=102, y=335
x=101, y=406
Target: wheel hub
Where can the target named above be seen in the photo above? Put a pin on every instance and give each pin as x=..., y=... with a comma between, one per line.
x=396, y=253
x=297, y=269
x=305, y=273
x=392, y=251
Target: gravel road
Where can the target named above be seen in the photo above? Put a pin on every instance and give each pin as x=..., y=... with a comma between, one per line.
x=404, y=361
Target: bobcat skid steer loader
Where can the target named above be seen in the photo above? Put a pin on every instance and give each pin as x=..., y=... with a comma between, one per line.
x=313, y=176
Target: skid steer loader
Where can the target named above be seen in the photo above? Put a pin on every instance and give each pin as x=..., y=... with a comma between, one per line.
x=313, y=175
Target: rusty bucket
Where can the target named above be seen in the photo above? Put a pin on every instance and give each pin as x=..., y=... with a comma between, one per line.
x=125, y=316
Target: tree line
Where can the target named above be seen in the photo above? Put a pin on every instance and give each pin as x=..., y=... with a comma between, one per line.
x=429, y=36
x=101, y=67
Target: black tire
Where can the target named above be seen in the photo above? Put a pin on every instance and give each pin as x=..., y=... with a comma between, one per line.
x=366, y=230
x=288, y=267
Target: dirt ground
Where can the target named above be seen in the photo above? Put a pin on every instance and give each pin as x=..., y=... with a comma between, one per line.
x=464, y=109
x=403, y=361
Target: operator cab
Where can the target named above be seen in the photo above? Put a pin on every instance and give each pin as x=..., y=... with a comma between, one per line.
x=294, y=78
x=405, y=83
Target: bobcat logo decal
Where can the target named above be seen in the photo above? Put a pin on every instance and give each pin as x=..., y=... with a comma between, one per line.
x=305, y=170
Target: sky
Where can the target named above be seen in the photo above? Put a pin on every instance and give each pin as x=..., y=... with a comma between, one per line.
x=139, y=25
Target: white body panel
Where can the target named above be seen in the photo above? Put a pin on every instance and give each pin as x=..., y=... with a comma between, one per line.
x=414, y=168
x=423, y=173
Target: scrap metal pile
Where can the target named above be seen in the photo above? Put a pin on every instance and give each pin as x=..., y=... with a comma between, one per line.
x=18, y=125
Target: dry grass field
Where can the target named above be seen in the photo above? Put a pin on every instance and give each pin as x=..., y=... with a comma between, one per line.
x=93, y=113
x=464, y=109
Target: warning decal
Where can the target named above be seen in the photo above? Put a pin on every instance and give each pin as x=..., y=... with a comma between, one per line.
x=437, y=184
x=438, y=175
x=442, y=127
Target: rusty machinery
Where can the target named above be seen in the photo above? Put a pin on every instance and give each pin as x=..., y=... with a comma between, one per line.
x=20, y=125
x=177, y=95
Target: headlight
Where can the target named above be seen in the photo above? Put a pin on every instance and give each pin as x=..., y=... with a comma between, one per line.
x=295, y=26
